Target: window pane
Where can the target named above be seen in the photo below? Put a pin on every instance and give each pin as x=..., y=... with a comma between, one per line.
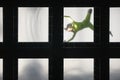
x=114, y=69
x=79, y=14
x=78, y=69
x=1, y=24
x=33, y=69
x=1, y=69
x=115, y=24
x=33, y=24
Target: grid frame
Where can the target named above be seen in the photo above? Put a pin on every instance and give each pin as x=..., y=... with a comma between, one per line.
x=101, y=50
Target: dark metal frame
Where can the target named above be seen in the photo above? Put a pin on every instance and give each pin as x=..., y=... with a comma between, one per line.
x=56, y=50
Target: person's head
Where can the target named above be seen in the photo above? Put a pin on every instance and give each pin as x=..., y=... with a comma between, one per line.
x=69, y=27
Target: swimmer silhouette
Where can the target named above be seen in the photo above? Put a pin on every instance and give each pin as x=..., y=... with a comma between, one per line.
x=77, y=26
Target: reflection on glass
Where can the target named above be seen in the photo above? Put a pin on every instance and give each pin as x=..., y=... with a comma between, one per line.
x=33, y=24
x=78, y=69
x=1, y=69
x=1, y=24
x=115, y=24
x=114, y=69
x=33, y=69
x=80, y=20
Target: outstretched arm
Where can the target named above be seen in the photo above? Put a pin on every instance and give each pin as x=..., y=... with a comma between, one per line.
x=69, y=18
x=91, y=26
x=72, y=37
x=110, y=33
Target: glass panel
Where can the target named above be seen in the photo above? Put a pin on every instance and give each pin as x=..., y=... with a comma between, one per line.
x=79, y=20
x=33, y=69
x=1, y=69
x=115, y=24
x=33, y=24
x=78, y=69
x=1, y=24
x=114, y=69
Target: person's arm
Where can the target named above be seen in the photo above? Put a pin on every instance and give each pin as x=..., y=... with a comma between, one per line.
x=72, y=37
x=91, y=26
x=110, y=33
x=69, y=18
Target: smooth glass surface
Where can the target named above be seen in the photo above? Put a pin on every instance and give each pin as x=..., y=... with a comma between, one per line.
x=115, y=69
x=33, y=24
x=115, y=24
x=78, y=69
x=1, y=24
x=33, y=69
x=1, y=69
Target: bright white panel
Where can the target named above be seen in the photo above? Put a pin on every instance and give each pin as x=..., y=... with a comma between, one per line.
x=115, y=24
x=1, y=24
x=79, y=14
x=78, y=69
x=33, y=24
x=33, y=69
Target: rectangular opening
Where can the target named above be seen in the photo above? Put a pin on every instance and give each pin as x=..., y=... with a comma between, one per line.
x=33, y=69
x=78, y=69
x=33, y=24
